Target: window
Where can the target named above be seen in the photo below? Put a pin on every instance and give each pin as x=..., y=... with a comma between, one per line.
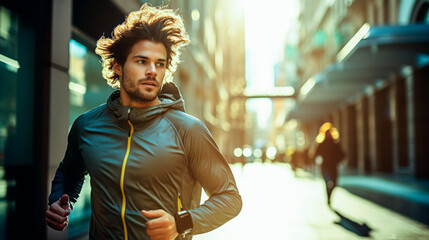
x=16, y=119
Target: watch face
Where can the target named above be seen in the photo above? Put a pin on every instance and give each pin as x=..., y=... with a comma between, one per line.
x=185, y=221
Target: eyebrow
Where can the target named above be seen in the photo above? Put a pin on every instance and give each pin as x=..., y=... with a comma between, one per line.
x=144, y=57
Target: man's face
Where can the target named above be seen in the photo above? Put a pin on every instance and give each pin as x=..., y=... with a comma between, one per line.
x=142, y=75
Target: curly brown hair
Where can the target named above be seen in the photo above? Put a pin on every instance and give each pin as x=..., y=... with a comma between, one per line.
x=157, y=24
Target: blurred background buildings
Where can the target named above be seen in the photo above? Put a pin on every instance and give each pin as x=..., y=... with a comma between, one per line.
x=362, y=65
x=365, y=66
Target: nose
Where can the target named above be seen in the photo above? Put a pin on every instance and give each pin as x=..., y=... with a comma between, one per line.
x=151, y=71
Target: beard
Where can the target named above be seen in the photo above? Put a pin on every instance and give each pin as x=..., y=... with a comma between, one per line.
x=135, y=93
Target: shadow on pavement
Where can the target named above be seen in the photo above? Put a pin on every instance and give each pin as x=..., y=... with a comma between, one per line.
x=413, y=209
x=362, y=230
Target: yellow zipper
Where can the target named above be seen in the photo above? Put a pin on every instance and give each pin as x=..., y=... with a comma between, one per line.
x=179, y=203
x=124, y=164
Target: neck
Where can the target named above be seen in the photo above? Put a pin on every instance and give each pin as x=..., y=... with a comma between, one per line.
x=129, y=101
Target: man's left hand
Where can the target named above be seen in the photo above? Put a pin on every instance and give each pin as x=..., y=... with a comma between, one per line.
x=161, y=225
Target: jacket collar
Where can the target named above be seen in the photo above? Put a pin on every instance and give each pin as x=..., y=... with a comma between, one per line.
x=169, y=96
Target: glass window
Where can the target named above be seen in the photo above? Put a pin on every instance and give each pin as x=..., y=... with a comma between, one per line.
x=88, y=89
x=16, y=118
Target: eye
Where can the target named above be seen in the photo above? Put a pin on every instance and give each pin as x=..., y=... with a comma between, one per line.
x=141, y=61
x=160, y=64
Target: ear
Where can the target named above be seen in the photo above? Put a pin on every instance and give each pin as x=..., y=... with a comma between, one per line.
x=117, y=68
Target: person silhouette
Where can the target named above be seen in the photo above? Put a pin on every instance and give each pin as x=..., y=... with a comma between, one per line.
x=332, y=154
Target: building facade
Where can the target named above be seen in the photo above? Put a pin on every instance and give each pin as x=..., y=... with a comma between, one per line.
x=364, y=67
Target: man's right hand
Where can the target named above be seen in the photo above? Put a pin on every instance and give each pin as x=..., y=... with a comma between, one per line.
x=57, y=215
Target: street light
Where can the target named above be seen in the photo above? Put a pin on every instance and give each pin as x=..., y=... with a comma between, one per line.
x=257, y=153
x=247, y=152
x=271, y=152
x=238, y=152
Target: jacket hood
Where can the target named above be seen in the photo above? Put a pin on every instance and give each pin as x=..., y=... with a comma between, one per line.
x=169, y=96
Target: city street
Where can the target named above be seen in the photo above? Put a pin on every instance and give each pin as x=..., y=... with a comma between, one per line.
x=278, y=204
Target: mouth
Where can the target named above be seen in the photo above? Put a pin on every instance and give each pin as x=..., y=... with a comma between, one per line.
x=150, y=83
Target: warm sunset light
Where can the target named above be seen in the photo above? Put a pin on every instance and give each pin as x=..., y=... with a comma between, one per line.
x=231, y=119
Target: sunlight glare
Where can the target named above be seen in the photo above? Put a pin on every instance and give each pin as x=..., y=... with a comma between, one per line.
x=266, y=28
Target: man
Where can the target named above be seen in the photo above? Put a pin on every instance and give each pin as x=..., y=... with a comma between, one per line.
x=147, y=158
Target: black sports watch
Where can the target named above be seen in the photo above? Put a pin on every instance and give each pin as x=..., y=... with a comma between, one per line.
x=183, y=222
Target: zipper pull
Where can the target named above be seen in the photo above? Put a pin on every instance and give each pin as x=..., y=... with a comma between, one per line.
x=129, y=122
x=179, y=203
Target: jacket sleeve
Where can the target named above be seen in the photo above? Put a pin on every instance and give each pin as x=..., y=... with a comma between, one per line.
x=71, y=172
x=214, y=174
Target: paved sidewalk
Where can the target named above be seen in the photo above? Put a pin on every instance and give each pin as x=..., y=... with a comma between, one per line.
x=277, y=204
